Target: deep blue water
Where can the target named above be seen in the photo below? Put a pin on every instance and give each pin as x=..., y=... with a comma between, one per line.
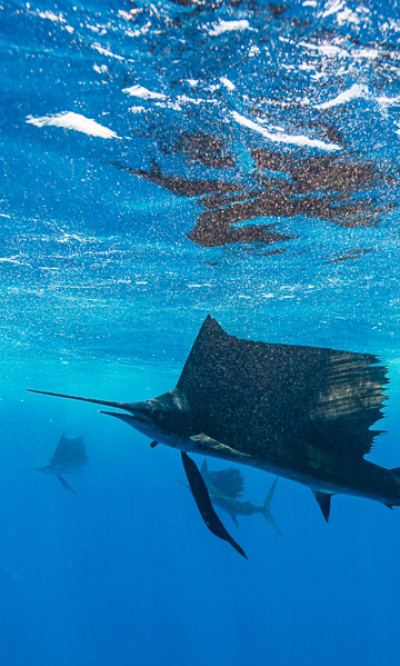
x=242, y=160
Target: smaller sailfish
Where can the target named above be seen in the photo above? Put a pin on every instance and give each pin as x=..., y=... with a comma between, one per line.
x=68, y=458
x=225, y=487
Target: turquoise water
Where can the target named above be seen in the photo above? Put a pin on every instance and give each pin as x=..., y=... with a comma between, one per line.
x=160, y=162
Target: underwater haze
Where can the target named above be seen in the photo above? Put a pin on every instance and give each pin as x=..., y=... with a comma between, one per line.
x=159, y=162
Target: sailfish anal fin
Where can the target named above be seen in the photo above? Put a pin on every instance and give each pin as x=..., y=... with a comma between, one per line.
x=203, y=501
x=324, y=501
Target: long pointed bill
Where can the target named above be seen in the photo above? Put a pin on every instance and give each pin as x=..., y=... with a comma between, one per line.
x=202, y=499
x=36, y=469
x=106, y=403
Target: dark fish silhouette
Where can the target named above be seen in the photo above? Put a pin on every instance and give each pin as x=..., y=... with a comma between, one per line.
x=68, y=458
x=303, y=413
x=225, y=487
x=202, y=499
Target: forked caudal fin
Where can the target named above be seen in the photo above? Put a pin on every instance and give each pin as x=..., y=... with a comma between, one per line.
x=266, y=507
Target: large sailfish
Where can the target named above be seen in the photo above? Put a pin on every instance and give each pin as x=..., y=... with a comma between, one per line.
x=299, y=412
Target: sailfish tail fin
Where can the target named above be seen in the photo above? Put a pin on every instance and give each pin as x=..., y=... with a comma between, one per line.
x=265, y=508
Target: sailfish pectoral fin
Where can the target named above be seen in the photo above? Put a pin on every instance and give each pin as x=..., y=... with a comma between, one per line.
x=324, y=502
x=66, y=485
x=203, y=501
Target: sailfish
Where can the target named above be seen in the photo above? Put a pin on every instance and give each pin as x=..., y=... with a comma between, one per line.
x=299, y=412
x=68, y=458
x=225, y=488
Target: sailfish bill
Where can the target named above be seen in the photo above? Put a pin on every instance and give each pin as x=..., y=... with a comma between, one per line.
x=106, y=403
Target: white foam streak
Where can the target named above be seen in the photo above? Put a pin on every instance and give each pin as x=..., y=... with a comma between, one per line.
x=334, y=7
x=227, y=26
x=371, y=54
x=10, y=260
x=356, y=91
x=143, y=93
x=73, y=121
x=227, y=83
x=326, y=49
x=281, y=137
x=106, y=52
x=137, y=109
x=51, y=16
x=388, y=101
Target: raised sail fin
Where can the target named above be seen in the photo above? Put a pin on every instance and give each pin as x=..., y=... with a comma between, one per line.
x=302, y=396
x=71, y=451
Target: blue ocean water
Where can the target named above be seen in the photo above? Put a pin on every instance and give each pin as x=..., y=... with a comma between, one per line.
x=160, y=162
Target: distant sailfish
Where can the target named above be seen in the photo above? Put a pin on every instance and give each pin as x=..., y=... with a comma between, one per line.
x=226, y=486
x=69, y=457
x=303, y=413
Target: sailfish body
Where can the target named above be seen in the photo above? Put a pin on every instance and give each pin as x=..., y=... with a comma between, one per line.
x=69, y=457
x=225, y=488
x=303, y=413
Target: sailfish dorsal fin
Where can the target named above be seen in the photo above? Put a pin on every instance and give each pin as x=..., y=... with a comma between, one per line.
x=69, y=451
x=249, y=393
